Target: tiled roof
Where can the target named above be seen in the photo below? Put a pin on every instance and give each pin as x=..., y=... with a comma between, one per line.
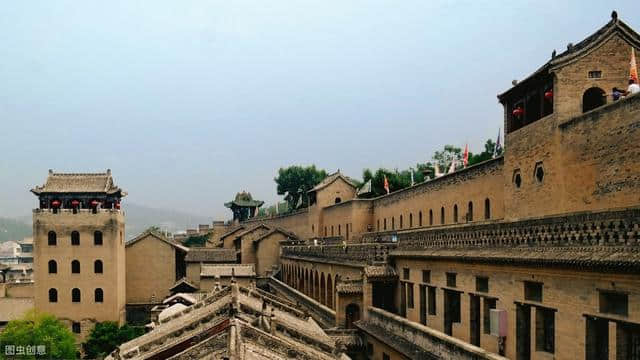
x=231, y=232
x=239, y=270
x=380, y=271
x=252, y=229
x=214, y=255
x=244, y=199
x=330, y=179
x=155, y=235
x=349, y=287
x=289, y=235
x=183, y=282
x=78, y=183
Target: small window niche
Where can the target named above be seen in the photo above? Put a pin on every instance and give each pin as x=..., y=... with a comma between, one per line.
x=538, y=173
x=517, y=179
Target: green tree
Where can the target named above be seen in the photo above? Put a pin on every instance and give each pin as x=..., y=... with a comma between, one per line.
x=106, y=336
x=397, y=179
x=41, y=330
x=296, y=181
x=443, y=158
x=489, y=148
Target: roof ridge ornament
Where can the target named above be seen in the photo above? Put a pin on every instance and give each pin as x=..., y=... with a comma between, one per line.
x=553, y=54
x=614, y=15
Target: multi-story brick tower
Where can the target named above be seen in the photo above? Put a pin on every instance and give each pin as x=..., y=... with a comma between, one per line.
x=79, y=252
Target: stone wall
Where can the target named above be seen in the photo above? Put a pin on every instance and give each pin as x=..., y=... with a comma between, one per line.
x=149, y=281
x=296, y=222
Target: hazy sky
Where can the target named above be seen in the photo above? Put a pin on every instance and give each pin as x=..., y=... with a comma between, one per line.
x=189, y=102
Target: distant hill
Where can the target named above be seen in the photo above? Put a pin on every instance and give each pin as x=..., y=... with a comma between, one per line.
x=13, y=229
x=139, y=218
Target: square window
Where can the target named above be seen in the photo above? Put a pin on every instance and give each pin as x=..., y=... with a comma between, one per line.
x=451, y=279
x=596, y=74
x=533, y=291
x=614, y=303
x=76, y=327
x=482, y=284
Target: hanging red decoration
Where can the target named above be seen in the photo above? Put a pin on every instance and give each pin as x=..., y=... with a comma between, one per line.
x=75, y=203
x=117, y=205
x=94, y=203
x=517, y=112
x=549, y=95
x=55, y=203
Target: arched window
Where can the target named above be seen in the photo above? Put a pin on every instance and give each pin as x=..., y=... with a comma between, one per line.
x=378, y=225
x=75, y=267
x=331, y=230
x=75, y=238
x=470, y=211
x=52, y=238
x=400, y=221
x=97, y=266
x=329, y=292
x=97, y=237
x=430, y=217
x=455, y=213
x=98, y=295
x=53, y=295
x=385, y=223
x=53, y=267
x=487, y=209
x=338, y=200
x=593, y=98
x=75, y=295
x=420, y=218
x=442, y=215
x=410, y=220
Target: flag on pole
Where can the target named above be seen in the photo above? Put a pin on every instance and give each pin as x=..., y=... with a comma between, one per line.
x=386, y=184
x=436, y=170
x=452, y=168
x=498, y=148
x=633, y=70
x=465, y=157
x=412, y=183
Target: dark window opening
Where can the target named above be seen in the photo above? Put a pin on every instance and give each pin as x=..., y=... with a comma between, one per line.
x=369, y=349
x=432, y=300
x=385, y=223
x=426, y=276
x=482, y=284
x=75, y=238
x=451, y=279
x=593, y=98
x=442, y=215
x=75, y=295
x=53, y=267
x=378, y=224
x=75, y=327
x=614, y=303
x=545, y=330
x=393, y=223
x=597, y=339
x=487, y=209
x=337, y=200
x=405, y=273
x=385, y=356
x=339, y=229
x=400, y=221
x=97, y=266
x=97, y=238
x=99, y=295
x=533, y=291
x=596, y=74
x=539, y=173
x=517, y=179
x=455, y=213
x=53, y=295
x=52, y=238
x=430, y=217
x=420, y=218
x=470, y=211
x=410, y=220
x=75, y=267
x=410, y=295
x=423, y=304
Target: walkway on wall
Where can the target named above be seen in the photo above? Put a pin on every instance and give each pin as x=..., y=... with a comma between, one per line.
x=325, y=316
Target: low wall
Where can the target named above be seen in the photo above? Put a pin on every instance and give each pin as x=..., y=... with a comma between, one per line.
x=322, y=314
x=359, y=253
x=434, y=343
x=296, y=222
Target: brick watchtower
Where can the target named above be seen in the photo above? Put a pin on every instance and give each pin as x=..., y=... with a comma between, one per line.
x=79, y=252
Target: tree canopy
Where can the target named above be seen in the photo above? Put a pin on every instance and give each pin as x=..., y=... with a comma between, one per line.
x=106, y=336
x=296, y=180
x=37, y=336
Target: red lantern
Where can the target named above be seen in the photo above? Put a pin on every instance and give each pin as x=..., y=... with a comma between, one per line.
x=549, y=95
x=94, y=203
x=117, y=205
x=55, y=203
x=75, y=203
x=517, y=112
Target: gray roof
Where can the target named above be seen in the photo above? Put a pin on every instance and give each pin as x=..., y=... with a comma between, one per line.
x=78, y=183
x=155, y=235
x=239, y=270
x=289, y=235
x=214, y=255
x=330, y=179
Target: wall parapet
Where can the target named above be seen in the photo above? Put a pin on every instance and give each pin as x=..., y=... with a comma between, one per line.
x=417, y=341
x=607, y=228
x=363, y=254
x=323, y=314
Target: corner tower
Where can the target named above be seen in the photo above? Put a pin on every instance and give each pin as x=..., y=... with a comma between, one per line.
x=79, y=252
